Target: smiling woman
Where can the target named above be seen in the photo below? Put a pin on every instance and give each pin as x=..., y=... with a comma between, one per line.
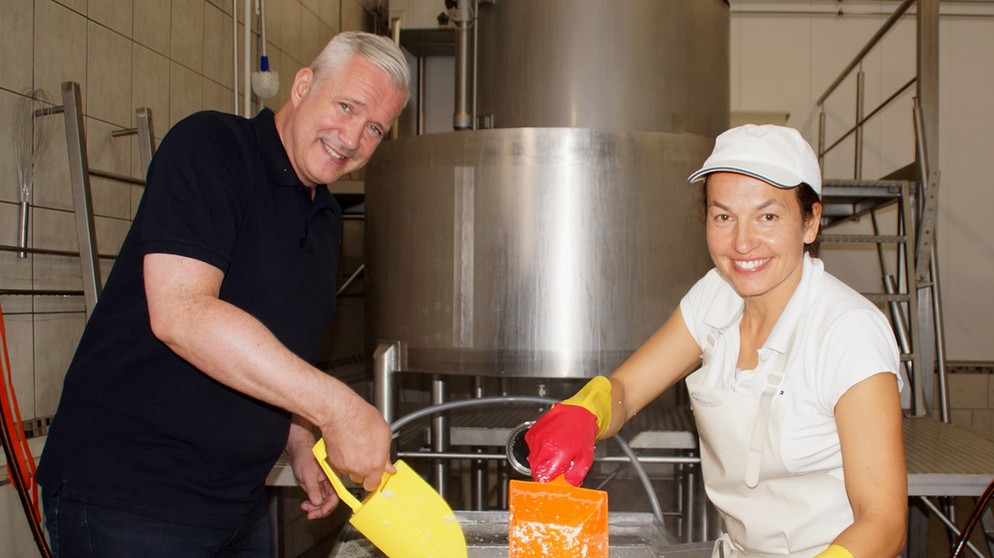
x=797, y=396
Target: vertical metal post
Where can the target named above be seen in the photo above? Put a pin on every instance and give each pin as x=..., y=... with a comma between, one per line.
x=420, y=114
x=464, y=16
x=146, y=137
x=79, y=172
x=860, y=112
x=386, y=361
x=440, y=433
x=927, y=19
x=821, y=137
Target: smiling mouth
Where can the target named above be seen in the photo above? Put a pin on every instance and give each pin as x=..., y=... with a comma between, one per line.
x=749, y=265
x=335, y=154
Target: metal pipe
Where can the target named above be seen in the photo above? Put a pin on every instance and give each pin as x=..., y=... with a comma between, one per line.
x=386, y=359
x=859, y=122
x=860, y=102
x=665, y=459
x=420, y=113
x=462, y=119
x=949, y=524
x=866, y=49
x=247, y=62
x=464, y=403
x=940, y=341
x=351, y=278
x=440, y=433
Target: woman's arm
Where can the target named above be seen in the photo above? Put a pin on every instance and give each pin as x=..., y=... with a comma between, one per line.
x=660, y=362
x=868, y=417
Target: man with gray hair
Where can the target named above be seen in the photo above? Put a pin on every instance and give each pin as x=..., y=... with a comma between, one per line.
x=196, y=370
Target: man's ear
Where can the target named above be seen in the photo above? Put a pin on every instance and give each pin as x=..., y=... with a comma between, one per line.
x=302, y=83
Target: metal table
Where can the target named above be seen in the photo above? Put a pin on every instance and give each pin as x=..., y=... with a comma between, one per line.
x=943, y=460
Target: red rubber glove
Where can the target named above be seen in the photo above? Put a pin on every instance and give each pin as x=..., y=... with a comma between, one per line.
x=561, y=442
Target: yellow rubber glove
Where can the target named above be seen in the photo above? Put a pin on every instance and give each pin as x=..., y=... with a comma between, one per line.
x=596, y=398
x=834, y=551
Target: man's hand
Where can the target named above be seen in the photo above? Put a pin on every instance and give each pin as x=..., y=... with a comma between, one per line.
x=358, y=443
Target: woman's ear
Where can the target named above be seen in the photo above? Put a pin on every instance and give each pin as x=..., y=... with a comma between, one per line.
x=813, y=223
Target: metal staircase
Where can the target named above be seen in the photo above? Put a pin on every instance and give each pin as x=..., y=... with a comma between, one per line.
x=942, y=458
x=847, y=200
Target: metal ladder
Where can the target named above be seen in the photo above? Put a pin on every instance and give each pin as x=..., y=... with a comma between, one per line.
x=80, y=172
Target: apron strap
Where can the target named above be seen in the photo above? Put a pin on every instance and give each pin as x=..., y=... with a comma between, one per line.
x=760, y=428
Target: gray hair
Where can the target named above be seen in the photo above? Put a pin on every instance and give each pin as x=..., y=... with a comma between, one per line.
x=380, y=51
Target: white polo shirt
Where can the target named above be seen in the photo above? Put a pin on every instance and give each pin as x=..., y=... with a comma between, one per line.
x=842, y=339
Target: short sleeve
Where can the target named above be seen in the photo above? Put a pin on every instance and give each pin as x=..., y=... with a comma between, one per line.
x=192, y=208
x=857, y=345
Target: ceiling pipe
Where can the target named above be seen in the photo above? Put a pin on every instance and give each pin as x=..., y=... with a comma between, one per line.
x=464, y=19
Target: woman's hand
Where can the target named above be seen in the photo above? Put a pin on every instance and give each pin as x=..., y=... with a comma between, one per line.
x=561, y=442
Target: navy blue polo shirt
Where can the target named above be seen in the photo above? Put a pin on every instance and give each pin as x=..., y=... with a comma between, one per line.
x=139, y=428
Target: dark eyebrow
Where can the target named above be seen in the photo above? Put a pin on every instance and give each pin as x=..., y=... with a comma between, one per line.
x=760, y=207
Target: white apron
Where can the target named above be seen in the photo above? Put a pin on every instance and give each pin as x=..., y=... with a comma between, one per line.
x=767, y=510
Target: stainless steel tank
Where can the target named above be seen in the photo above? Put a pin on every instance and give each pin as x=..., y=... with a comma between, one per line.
x=657, y=65
x=555, y=244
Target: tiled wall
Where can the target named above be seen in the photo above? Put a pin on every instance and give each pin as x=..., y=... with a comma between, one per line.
x=174, y=56
x=971, y=396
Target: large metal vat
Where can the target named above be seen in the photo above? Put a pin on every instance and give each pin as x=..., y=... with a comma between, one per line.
x=659, y=65
x=556, y=246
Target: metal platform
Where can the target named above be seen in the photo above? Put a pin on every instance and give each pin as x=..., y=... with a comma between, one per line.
x=945, y=459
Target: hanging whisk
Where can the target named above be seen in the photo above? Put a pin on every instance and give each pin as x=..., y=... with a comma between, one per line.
x=30, y=135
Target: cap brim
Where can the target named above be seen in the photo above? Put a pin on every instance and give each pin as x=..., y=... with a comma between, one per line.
x=771, y=175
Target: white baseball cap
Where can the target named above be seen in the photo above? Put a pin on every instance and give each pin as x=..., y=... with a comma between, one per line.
x=774, y=154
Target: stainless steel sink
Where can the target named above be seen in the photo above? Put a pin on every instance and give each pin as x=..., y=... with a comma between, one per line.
x=632, y=535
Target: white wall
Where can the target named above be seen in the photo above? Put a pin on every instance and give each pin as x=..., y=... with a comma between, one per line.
x=786, y=61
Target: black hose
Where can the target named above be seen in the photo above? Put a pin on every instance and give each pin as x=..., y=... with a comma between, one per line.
x=971, y=521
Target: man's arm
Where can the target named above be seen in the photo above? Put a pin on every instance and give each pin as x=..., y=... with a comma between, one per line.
x=234, y=348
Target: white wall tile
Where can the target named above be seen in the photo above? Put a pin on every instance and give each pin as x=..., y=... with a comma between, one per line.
x=330, y=12
x=17, y=44
x=60, y=47
x=187, y=34
x=108, y=76
x=21, y=349
x=186, y=92
x=218, y=46
x=153, y=24
x=78, y=6
x=9, y=189
x=150, y=86
x=217, y=97
x=114, y=14
x=274, y=22
x=291, y=31
x=52, y=183
x=314, y=34
x=106, y=152
x=14, y=529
